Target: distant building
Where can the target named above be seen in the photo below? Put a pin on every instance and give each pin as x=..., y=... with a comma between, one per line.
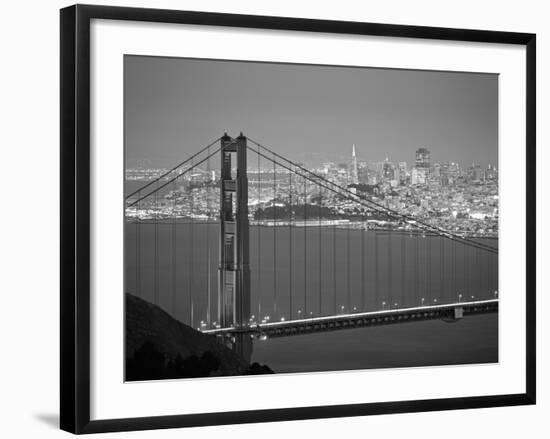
x=397, y=175
x=422, y=158
x=491, y=173
x=419, y=175
x=475, y=173
x=402, y=172
x=453, y=172
x=328, y=167
x=436, y=170
x=363, y=172
x=387, y=170
x=354, y=174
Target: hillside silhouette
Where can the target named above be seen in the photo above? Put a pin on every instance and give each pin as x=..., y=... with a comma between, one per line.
x=160, y=347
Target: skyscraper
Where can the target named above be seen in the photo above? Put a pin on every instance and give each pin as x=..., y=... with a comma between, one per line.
x=422, y=158
x=388, y=170
x=354, y=170
x=402, y=171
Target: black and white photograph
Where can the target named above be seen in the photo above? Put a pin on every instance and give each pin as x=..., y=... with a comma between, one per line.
x=297, y=218
x=275, y=219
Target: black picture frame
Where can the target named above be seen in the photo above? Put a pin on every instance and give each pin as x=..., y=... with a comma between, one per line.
x=75, y=216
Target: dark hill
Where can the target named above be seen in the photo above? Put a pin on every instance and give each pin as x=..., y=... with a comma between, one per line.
x=158, y=346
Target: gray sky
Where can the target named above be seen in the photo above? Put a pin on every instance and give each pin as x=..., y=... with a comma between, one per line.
x=175, y=106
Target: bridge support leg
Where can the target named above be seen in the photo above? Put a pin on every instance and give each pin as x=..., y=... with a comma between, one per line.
x=234, y=267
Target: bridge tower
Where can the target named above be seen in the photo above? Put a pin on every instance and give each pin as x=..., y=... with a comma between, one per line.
x=234, y=267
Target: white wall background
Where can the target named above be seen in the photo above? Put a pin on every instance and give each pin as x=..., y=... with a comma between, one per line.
x=29, y=248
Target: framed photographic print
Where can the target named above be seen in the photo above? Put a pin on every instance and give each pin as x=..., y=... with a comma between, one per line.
x=268, y=218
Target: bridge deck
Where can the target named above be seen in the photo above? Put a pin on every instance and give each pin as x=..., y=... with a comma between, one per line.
x=449, y=312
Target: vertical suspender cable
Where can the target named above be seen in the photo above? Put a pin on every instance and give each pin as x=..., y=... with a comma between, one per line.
x=453, y=275
x=479, y=278
x=402, y=294
x=207, y=225
x=334, y=263
x=190, y=251
x=319, y=237
x=138, y=247
x=156, y=261
x=348, y=266
x=290, y=213
x=274, y=239
x=305, y=247
x=259, y=256
x=174, y=241
x=376, y=296
x=467, y=289
x=442, y=289
x=363, y=232
x=192, y=261
x=429, y=267
x=488, y=276
x=491, y=278
x=416, y=277
x=390, y=262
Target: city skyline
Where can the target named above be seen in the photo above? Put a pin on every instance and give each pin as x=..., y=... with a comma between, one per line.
x=383, y=112
x=353, y=162
x=346, y=160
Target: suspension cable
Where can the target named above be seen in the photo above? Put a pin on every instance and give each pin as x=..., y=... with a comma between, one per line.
x=174, y=178
x=174, y=168
x=351, y=198
x=371, y=203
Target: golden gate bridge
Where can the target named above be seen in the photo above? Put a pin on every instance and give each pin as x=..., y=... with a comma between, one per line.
x=254, y=248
